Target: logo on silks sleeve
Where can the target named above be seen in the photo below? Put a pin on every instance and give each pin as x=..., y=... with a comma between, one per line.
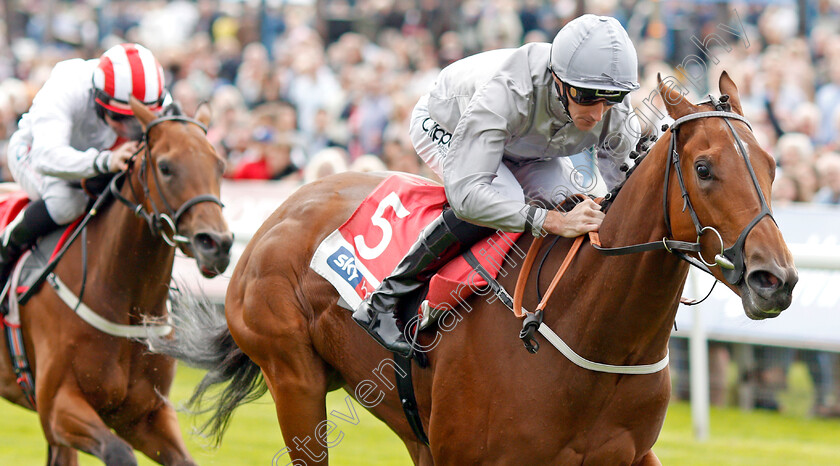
x=343, y=262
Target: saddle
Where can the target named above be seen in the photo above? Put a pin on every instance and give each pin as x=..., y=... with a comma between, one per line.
x=366, y=248
x=28, y=269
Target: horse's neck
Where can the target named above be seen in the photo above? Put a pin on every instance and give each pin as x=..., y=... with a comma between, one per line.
x=127, y=257
x=637, y=293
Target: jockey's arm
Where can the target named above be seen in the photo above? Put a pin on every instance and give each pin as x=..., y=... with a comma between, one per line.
x=474, y=158
x=52, y=155
x=52, y=118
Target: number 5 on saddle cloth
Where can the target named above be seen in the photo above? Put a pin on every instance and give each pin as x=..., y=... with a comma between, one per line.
x=367, y=247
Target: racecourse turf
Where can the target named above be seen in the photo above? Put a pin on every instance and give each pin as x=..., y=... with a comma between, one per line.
x=737, y=437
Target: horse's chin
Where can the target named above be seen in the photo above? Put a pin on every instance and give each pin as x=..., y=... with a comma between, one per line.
x=210, y=265
x=210, y=269
x=758, y=308
x=207, y=273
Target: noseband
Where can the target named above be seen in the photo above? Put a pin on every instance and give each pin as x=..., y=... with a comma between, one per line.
x=730, y=260
x=159, y=221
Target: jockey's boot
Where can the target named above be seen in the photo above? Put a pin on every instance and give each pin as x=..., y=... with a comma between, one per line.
x=440, y=241
x=32, y=223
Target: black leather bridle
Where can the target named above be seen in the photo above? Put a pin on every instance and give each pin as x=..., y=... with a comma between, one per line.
x=730, y=260
x=158, y=220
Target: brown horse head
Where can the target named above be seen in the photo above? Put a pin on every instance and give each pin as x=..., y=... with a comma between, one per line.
x=724, y=196
x=184, y=179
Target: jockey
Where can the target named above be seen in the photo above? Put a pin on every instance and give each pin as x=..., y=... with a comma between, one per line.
x=498, y=128
x=80, y=125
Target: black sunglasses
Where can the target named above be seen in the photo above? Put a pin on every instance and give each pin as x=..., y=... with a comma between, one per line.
x=584, y=96
x=118, y=117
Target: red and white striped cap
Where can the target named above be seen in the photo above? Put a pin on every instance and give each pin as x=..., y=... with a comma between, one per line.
x=125, y=70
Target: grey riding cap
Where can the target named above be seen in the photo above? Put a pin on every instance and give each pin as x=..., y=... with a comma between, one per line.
x=595, y=52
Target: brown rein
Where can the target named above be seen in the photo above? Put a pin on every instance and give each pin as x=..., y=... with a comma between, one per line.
x=519, y=291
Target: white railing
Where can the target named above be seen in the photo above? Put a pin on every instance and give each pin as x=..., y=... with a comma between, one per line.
x=807, y=257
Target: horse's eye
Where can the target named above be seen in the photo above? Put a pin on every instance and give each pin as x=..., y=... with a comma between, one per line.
x=165, y=168
x=703, y=170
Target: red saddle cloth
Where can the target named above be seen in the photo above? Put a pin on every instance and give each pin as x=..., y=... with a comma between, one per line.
x=386, y=224
x=10, y=206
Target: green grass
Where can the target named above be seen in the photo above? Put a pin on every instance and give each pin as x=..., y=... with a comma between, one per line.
x=737, y=437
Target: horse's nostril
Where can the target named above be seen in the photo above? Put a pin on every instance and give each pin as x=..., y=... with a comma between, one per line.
x=764, y=280
x=211, y=243
x=205, y=242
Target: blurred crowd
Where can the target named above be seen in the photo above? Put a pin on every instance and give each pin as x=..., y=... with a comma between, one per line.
x=301, y=88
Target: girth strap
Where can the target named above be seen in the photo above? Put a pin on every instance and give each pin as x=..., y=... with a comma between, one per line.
x=405, y=389
x=25, y=376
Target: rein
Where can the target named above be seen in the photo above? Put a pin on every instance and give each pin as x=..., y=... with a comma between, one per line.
x=158, y=220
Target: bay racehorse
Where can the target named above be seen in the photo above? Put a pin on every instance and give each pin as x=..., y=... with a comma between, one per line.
x=103, y=393
x=483, y=399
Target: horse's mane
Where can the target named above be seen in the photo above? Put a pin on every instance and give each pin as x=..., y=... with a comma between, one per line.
x=570, y=202
x=642, y=152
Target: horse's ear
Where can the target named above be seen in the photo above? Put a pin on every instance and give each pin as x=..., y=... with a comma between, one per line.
x=143, y=114
x=203, y=114
x=673, y=94
x=727, y=86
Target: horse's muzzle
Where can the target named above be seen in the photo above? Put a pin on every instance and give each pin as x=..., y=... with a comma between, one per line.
x=212, y=251
x=770, y=291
